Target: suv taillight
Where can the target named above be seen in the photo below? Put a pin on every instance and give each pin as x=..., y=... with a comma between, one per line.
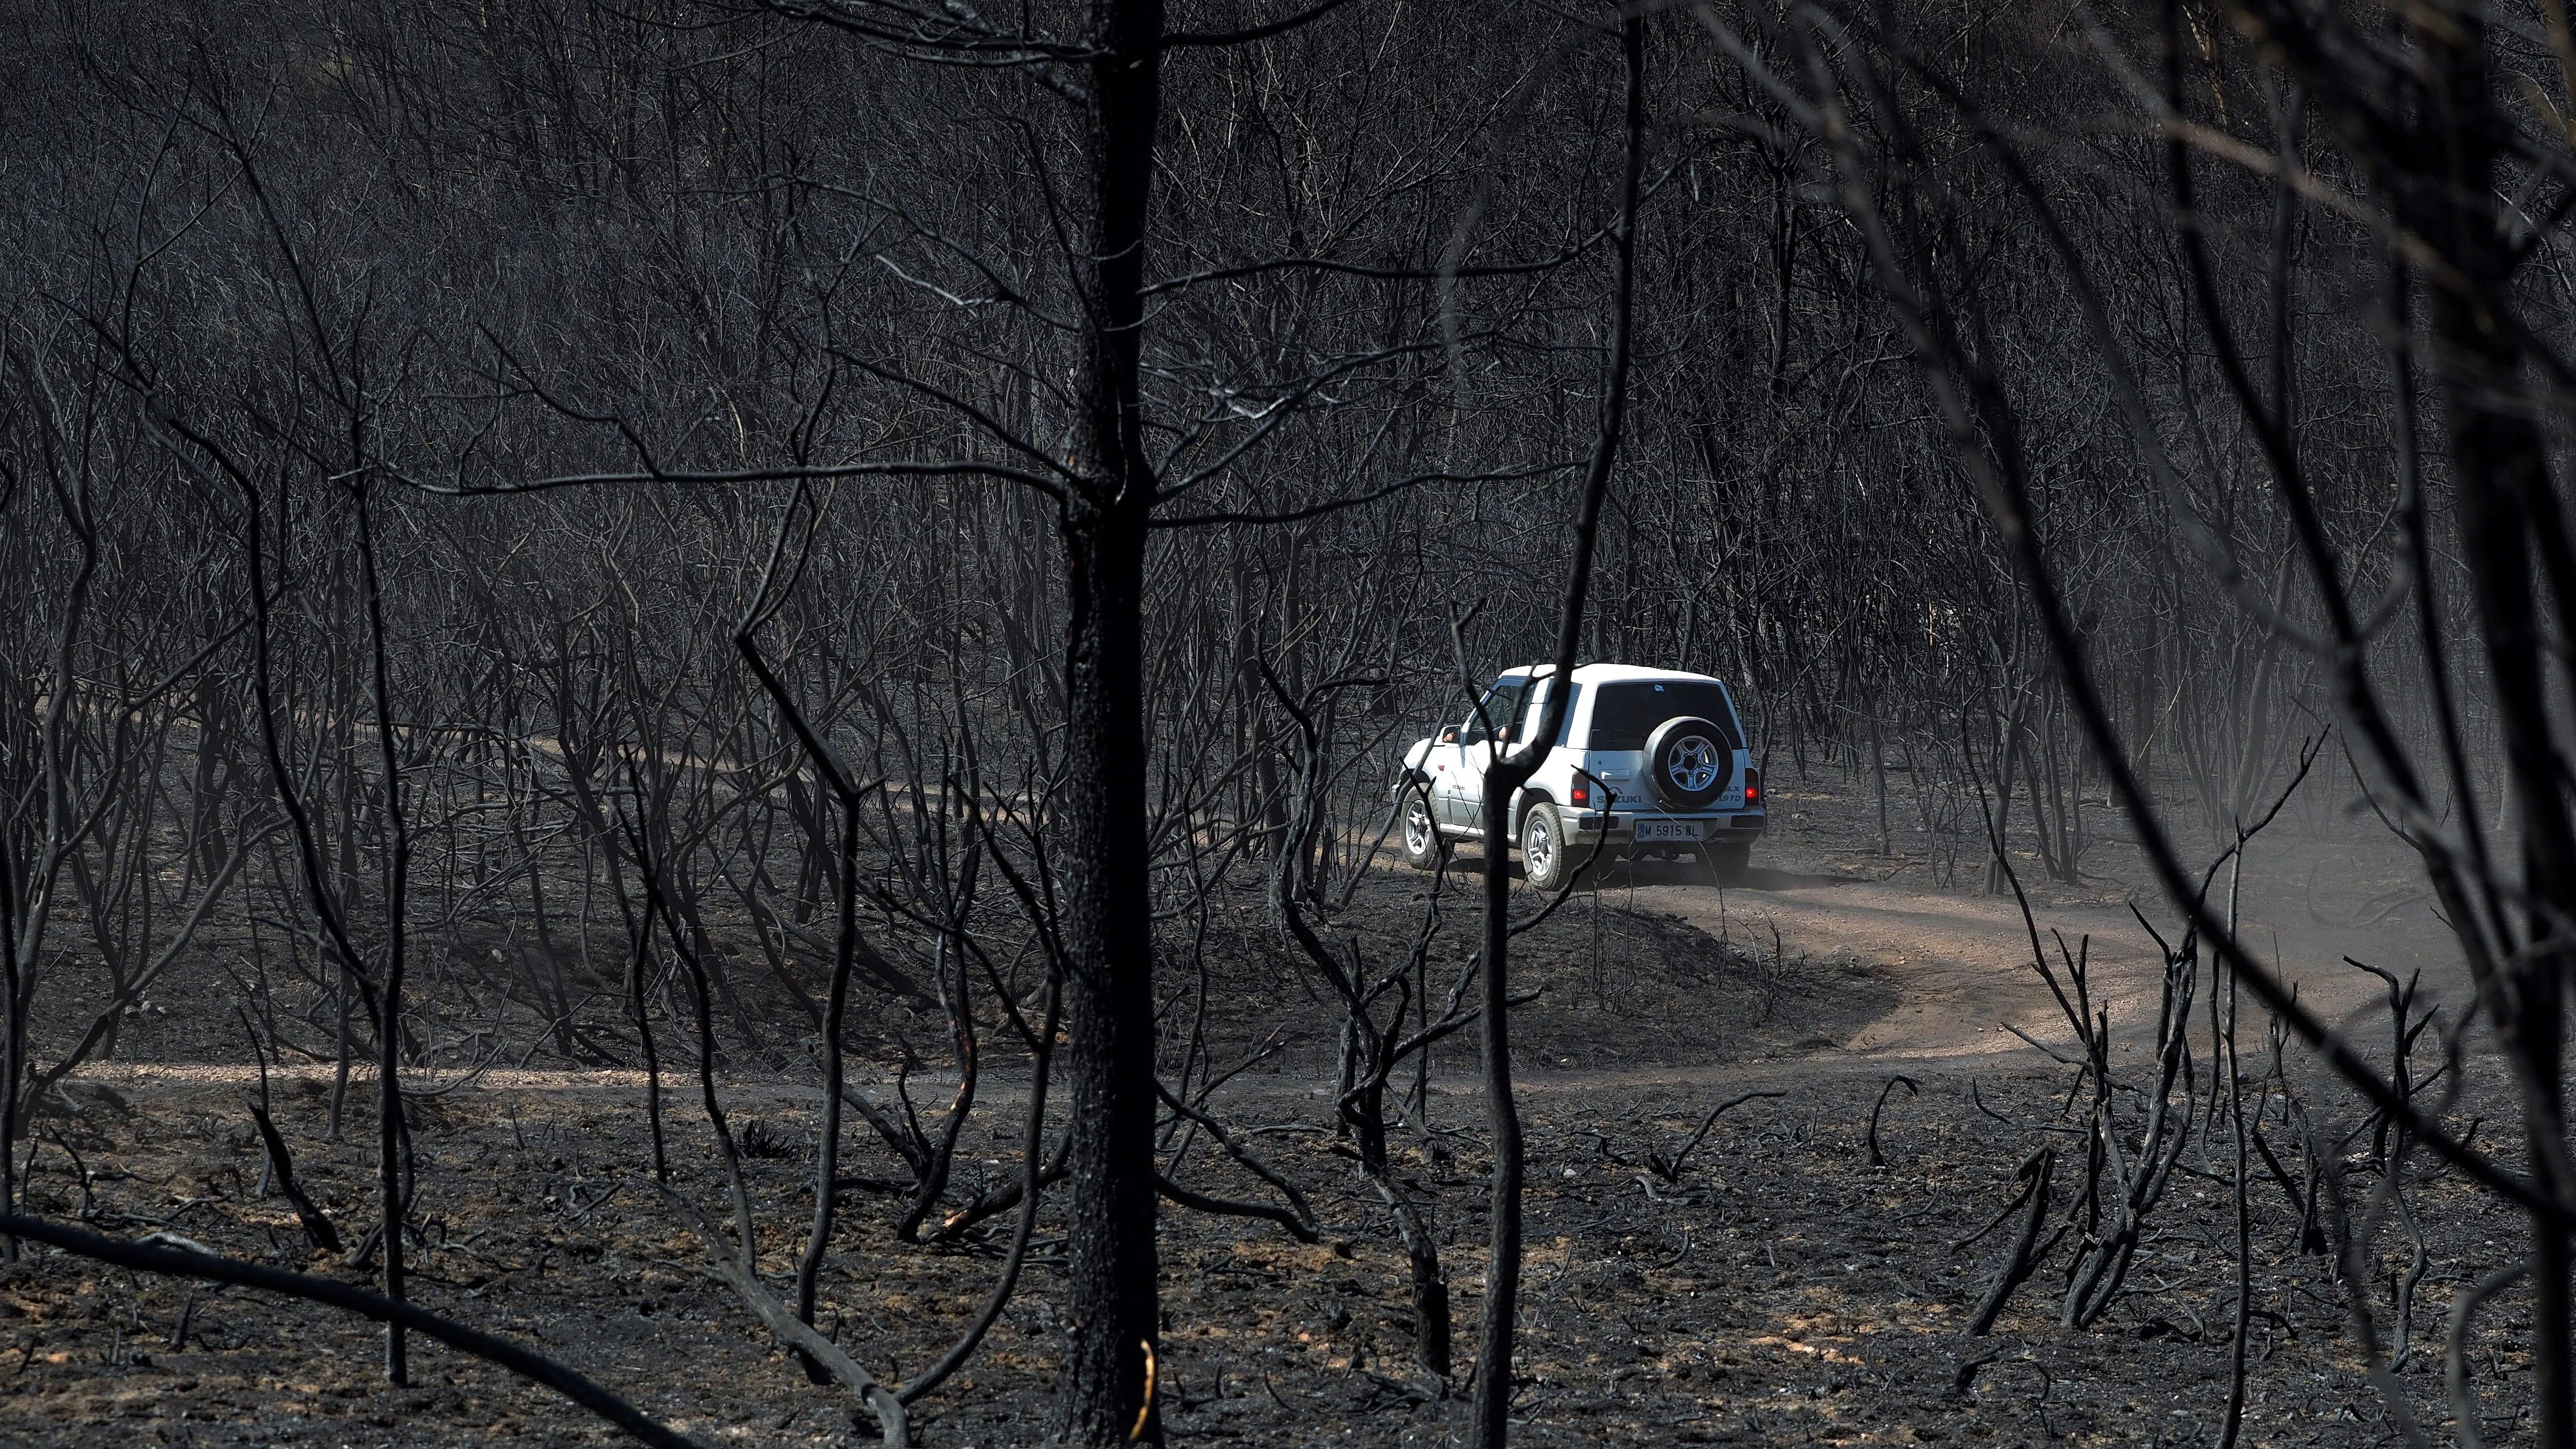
x=1752, y=787
x=1582, y=793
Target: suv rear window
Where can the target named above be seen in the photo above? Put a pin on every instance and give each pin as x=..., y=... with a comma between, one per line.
x=1623, y=714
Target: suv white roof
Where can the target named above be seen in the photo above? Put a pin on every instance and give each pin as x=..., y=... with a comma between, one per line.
x=1610, y=673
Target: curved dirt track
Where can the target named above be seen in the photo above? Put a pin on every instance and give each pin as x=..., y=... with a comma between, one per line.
x=1960, y=963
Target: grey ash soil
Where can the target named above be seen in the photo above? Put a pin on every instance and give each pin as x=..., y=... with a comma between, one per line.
x=1780, y=1291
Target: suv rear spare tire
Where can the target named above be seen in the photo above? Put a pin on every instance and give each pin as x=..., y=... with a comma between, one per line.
x=1689, y=764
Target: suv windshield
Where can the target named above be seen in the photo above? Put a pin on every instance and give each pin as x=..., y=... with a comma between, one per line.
x=1501, y=705
x=1623, y=714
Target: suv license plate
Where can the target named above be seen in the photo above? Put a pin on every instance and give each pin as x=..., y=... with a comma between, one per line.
x=1668, y=830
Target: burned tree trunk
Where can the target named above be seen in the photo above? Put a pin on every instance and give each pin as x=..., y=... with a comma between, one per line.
x=1497, y=1328
x=1105, y=1392
x=1108, y=945
x=2507, y=503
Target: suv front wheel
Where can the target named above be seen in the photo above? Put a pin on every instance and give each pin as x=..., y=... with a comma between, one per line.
x=1544, y=861
x=1421, y=837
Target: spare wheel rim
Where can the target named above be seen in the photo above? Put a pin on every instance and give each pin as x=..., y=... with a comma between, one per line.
x=1692, y=764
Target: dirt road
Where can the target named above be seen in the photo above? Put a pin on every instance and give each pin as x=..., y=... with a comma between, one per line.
x=1960, y=964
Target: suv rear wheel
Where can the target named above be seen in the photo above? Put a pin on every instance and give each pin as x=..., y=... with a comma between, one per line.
x=1543, y=847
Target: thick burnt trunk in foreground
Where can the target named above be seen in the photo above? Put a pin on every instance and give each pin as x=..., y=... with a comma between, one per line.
x=1108, y=947
x=2508, y=511
x=1105, y=1394
x=2500, y=474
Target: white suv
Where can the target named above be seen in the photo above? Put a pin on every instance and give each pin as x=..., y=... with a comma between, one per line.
x=1648, y=762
